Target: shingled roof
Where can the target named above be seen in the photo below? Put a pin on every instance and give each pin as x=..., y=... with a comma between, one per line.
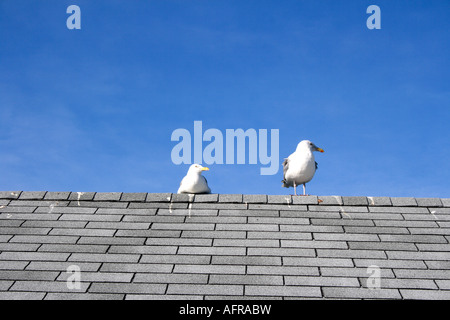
x=169, y=246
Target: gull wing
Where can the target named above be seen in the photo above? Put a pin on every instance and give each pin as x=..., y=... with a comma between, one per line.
x=285, y=167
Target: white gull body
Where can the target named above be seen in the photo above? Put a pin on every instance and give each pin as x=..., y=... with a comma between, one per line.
x=194, y=182
x=299, y=168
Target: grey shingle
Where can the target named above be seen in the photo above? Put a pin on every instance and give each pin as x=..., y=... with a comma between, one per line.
x=107, y=196
x=379, y=201
x=360, y=293
x=57, y=195
x=99, y=276
x=182, y=197
x=146, y=249
x=255, y=198
x=66, y=210
x=443, y=284
x=290, y=291
x=28, y=275
x=126, y=211
x=283, y=199
x=413, y=238
x=446, y=202
x=170, y=278
x=213, y=251
x=32, y=195
x=131, y=241
x=321, y=281
x=103, y=257
x=418, y=255
x=220, y=206
x=83, y=296
x=330, y=200
x=347, y=209
x=79, y=248
x=43, y=239
x=283, y=270
x=34, y=256
x=17, y=209
x=47, y=286
x=286, y=206
x=135, y=197
x=141, y=288
x=429, y=202
x=404, y=202
x=209, y=269
x=22, y=295
x=425, y=294
x=10, y=194
x=247, y=260
x=355, y=201
x=62, y=266
x=13, y=265
x=82, y=232
x=247, y=227
x=354, y=272
x=82, y=196
x=246, y=242
x=210, y=289
x=206, y=198
x=38, y=203
x=422, y=274
x=246, y=279
x=317, y=262
x=19, y=246
x=305, y=200
x=231, y=198
x=158, y=197
x=23, y=231
x=100, y=204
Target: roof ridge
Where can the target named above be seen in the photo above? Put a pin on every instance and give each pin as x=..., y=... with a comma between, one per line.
x=227, y=198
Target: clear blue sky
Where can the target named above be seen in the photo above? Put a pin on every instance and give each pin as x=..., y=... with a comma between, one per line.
x=94, y=109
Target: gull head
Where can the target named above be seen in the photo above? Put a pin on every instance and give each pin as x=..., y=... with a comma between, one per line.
x=308, y=145
x=197, y=169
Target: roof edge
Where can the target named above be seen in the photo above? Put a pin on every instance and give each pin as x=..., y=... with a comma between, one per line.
x=225, y=198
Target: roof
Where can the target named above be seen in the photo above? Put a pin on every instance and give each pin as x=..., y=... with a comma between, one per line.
x=226, y=246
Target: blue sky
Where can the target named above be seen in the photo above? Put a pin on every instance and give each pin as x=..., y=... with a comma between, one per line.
x=94, y=109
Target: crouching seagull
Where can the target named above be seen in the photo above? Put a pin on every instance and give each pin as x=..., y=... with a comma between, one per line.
x=194, y=182
x=300, y=167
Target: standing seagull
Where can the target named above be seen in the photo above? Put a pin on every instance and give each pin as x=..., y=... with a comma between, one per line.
x=194, y=182
x=300, y=167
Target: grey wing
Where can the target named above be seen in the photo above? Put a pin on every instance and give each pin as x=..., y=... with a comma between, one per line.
x=317, y=165
x=285, y=167
x=207, y=185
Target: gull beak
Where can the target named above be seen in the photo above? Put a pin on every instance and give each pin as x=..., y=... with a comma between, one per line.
x=320, y=150
x=205, y=169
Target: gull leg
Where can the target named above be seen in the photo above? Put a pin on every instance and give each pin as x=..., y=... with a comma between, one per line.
x=304, y=189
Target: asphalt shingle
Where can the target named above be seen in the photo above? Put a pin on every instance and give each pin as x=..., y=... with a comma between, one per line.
x=169, y=246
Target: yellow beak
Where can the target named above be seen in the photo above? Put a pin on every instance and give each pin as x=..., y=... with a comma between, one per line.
x=205, y=169
x=320, y=150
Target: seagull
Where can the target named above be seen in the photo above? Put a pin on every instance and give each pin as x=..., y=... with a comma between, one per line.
x=194, y=182
x=300, y=167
